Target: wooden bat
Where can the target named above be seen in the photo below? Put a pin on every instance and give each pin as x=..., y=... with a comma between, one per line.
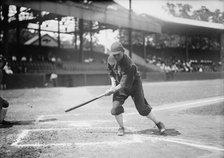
x=87, y=102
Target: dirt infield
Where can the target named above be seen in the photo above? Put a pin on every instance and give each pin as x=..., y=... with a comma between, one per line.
x=193, y=112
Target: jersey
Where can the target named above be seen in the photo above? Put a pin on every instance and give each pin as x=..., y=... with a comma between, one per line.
x=125, y=72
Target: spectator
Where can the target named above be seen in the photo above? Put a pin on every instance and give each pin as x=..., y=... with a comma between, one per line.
x=200, y=69
x=6, y=71
x=174, y=68
x=23, y=58
x=31, y=59
x=51, y=79
x=59, y=62
x=14, y=58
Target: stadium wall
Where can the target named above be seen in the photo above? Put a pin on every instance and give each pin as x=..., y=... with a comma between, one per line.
x=181, y=76
x=82, y=79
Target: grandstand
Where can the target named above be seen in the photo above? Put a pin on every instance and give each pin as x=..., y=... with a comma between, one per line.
x=80, y=66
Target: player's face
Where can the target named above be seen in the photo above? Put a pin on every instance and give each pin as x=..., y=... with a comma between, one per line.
x=118, y=56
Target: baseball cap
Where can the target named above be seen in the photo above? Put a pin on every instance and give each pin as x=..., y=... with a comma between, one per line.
x=116, y=48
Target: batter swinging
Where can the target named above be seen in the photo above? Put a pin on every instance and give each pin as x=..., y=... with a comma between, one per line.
x=125, y=82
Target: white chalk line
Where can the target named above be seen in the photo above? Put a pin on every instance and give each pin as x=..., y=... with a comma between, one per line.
x=48, y=129
x=177, y=105
x=25, y=132
x=190, y=104
x=134, y=138
x=77, y=123
x=43, y=145
x=186, y=104
x=22, y=135
x=184, y=142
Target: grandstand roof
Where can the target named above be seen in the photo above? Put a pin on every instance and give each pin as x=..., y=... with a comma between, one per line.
x=107, y=12
x=187, y=26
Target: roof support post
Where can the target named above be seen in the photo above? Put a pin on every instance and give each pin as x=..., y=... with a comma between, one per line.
x=81, y=40
x=91, y=36
x=1, y=5
x=17, y=25
x=39, y=33
x=222, y=50
x=5, y=11
x=59, y=42
x=75, y=33
x=144, y=47
x=187, y=47
x=130, y=31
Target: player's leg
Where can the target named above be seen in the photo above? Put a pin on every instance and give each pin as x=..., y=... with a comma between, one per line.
x=158, y=123
x=152, y=117
x=142, y=105
x=119, y=119
x=118, y=110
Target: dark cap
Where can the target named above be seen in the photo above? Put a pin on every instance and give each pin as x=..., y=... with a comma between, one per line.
x=116, y=48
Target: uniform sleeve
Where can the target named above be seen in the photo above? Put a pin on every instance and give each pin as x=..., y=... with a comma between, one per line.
x=128, y=77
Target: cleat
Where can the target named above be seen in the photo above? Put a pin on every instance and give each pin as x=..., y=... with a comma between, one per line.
x=120, y=131
x=161, y=127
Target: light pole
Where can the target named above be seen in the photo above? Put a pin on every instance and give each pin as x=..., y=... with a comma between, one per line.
x=130, y=30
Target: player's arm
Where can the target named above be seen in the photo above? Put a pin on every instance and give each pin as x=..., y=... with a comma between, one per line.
x=114, y=88
x=126, y=82
x=113, y=81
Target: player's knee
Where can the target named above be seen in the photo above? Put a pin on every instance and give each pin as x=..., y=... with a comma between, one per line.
x=117, y=110
x=144, y=112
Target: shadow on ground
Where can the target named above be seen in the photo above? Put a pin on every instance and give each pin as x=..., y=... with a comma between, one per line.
x=168, y=132
x=17, y=123
x=48, y=120
x=155, y=132
x=27, y=122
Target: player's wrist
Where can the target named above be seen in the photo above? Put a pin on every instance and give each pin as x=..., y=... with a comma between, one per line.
x=113, y=89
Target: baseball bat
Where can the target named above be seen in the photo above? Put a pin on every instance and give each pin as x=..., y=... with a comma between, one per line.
x=87, y=102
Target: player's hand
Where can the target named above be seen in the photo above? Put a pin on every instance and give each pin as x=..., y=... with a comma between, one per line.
x=109, y=92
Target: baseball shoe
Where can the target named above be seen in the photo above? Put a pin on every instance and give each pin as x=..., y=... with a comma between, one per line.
x=161, y=127
x=120, y=131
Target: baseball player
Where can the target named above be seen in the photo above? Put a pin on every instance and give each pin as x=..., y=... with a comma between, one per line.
x=3, y=103
x=125, y=82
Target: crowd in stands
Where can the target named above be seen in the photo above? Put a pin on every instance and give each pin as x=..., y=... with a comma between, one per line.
x=53, y=63
x=178, y=65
